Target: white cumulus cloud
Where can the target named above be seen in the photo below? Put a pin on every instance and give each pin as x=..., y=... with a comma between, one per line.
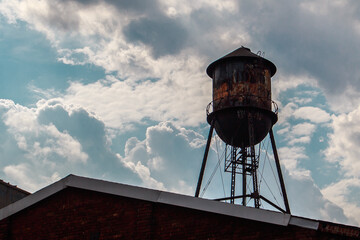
x=344, y=141
x=345, y=194
x=314, y=114
x=166, y=158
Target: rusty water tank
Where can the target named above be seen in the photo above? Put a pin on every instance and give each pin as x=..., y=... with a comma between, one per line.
x=242, y=109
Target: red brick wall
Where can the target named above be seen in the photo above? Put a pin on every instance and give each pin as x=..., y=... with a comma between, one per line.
x=80, y=214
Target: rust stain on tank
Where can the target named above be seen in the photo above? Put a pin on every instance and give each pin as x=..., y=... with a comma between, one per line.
x=243, y=84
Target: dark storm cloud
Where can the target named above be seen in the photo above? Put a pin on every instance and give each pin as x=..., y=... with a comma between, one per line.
x=153, y=28
x=321, y=44
x=65, y=16
x=164, y=35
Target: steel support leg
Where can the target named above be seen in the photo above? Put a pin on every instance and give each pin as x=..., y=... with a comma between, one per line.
x=287, y=207
x=204, y=160
x=255, y=193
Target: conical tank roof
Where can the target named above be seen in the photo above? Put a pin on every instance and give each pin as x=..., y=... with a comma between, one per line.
x=241, y=53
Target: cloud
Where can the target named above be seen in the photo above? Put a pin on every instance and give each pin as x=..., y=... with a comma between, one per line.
x=305, y=197
x=109, y=29
x=37, y=140
x=302, y=140
x=345, y=194
x=282, y=82
x=297, y=134
x=303, y=42
x=303, y=129
x=130, y=44
x=314, y=114
x=344, y=141
x=105, y=35
x=167, y=158
x=121, y=103
x=290, y=157
x=151, y=32
x=346, y=102
x=29, y=179
x=53, y=139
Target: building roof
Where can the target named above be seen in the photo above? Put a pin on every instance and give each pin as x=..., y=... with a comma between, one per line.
x=157, y=196
x=6, y=184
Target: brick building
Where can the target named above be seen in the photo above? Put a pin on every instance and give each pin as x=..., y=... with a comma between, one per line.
x=82, y=208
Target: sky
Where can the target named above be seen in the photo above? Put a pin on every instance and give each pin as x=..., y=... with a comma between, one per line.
x=117, y=90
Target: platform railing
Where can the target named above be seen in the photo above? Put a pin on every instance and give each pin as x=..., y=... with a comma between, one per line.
x=248, y=102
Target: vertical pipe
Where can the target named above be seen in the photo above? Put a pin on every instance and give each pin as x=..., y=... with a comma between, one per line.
x=287, y=207
x=244, y=158
x=204, y=159
x=233, y=173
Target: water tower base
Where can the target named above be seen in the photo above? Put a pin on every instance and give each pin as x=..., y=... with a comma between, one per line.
x=232, y=124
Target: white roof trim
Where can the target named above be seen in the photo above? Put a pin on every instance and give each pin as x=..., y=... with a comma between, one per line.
x=303, y=222
x=118, y=189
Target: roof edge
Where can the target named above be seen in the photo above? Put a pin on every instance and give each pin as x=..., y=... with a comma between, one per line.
x=14, y=187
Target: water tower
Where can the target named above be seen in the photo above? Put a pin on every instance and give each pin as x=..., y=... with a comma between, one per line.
x=242, y=114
